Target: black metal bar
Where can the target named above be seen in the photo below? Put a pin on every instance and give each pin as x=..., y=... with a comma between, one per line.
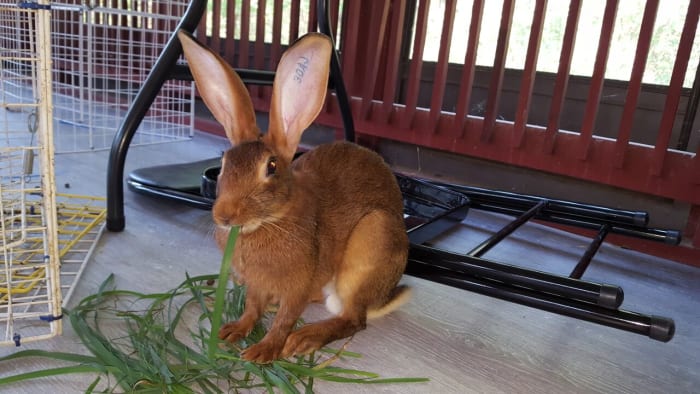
x=606, y=296
x=336, y=75
x=429, y=230
x=592, y=212
x=138, y=109
x=515, y=207
x=485, y=246
x=671, y=237
x=655, y=327
x=585, y=260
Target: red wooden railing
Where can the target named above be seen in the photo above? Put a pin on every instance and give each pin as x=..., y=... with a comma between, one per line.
x=385, y=86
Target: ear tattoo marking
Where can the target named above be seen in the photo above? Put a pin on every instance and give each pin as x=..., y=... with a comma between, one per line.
x=302, y=66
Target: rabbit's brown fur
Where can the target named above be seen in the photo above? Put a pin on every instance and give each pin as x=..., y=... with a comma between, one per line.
x=327, y=226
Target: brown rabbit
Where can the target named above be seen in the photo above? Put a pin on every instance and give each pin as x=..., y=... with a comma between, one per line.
x=327, y=226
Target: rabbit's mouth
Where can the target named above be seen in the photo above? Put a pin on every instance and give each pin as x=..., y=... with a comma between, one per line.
x=250, y=226
x=245, y=228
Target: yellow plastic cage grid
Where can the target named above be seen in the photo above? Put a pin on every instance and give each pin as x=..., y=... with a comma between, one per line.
x=80, y=224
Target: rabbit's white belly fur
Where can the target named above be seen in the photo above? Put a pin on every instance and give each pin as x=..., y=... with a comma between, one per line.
x=334, y=304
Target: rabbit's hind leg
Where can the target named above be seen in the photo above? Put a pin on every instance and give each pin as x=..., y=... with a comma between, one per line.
x=372, y=264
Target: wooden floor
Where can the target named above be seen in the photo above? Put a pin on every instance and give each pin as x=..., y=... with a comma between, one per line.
x=463, y=342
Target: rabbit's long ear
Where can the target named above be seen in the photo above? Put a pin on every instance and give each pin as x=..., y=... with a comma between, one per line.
x=222, y=90
x=301, y=82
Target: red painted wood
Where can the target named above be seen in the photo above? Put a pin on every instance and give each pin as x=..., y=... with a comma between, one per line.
x=499, y=65
x=467, y=78
x=216, y=26
x=202, y=28
x=259, y=55
x=349, y=55
x=695, y=173
x=294, y=20
x=529, y=72
x=692, y=228
x=258, y=92
x=675, y=184
x=391, y=80
x=229, y=48
x=276, y=47
x=334, y=17
x=416, y=64
x=635, y=83
x=441, y=67
x=243, y=57
x=562, y=80
x=313, y=20
x=673, y=97
x=377, y=29
x=598, y=78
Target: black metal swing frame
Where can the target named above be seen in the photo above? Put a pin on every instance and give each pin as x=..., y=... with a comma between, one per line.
x=430, y=209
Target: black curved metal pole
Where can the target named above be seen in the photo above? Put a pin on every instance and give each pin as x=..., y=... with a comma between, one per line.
x=323, y=12
x=141, y=104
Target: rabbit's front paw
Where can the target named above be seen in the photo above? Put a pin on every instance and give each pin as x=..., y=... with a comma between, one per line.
x=232, y=332
x=262, y=352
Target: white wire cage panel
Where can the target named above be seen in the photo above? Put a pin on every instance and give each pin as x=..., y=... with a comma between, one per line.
x=102, y=52
x=30, y=298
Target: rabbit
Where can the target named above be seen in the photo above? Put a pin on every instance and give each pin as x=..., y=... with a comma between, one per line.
x=327, y=226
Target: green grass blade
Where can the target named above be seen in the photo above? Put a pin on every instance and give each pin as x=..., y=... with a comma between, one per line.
x=91, y=387
x=85, y=368
x=277, y=377
x=341, y=379
x=221, y=292
x=62, y=356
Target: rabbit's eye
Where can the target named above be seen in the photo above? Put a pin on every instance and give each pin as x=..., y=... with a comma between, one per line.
x=271, y=166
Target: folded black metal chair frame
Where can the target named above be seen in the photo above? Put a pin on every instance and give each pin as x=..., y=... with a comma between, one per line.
x=431, y=209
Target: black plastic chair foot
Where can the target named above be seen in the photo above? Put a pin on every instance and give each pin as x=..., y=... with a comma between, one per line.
x=116, y=224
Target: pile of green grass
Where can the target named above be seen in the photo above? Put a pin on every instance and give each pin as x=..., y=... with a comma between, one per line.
x=159, y=349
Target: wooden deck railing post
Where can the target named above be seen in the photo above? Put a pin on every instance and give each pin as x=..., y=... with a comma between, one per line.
x=596, y=88
x=440, y=78
x=499, y=65
x=395, y=40
x=673, y=96
x=529, y=71
x=416, y=67
x=635, y=82
x=562, y=80
x=375, y=29
x=468, y=70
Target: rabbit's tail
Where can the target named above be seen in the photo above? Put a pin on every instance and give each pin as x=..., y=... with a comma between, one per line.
x=398, y=297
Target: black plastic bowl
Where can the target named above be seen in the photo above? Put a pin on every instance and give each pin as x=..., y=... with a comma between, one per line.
x=208, y=187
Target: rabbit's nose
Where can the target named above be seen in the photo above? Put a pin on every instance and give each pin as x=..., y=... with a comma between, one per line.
x=225, y=215
x=221, y=217
x=222, y=221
